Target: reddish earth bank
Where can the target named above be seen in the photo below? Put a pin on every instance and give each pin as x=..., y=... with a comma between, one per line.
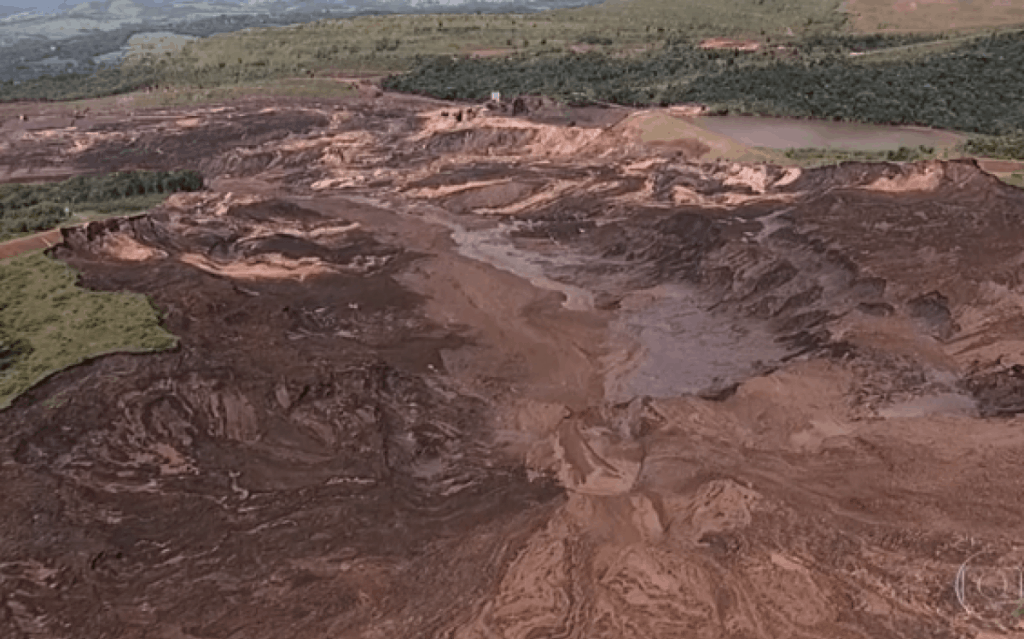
x=445, y=372
x=38, y=241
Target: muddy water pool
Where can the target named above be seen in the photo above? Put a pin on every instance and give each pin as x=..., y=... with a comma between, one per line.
x=684, y=348
x=494, y=246
x=677, y=346
x=788, y=133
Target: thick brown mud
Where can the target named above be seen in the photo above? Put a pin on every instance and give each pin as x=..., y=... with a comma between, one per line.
x=496, y=376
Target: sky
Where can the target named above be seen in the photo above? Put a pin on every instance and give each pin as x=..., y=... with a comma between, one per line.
x=46, y=6
x=42, y=5
x=49, y=6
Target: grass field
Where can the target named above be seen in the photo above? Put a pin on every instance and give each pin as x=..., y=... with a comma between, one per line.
x=48, y=324
x=932, y=15
x=721, y=17
x=819, y=157
x=325, y=88
x=1016, y=179
x=389, y=43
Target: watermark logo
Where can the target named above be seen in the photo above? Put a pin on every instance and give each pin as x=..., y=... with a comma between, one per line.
x=991, y=588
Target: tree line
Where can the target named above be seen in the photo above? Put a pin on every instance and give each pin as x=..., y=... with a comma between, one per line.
x=26, y=208
x=1008, y=147
x=976, y=87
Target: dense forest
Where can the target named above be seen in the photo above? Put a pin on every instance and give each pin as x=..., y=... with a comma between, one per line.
x=26, y=208
x=577, y=78
x=977, y=86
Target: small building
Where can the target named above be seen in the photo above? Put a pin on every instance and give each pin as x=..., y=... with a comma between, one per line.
x=495, y=96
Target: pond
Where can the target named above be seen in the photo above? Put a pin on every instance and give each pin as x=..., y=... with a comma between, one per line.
x=788, y=133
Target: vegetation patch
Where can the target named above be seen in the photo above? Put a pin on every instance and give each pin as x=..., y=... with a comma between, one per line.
x=819, y=156
x=27, y=208
x=580, y=78
x=107, y=80
x=1015, y=179
x=971, y=88
x=319, y=88
x=1003, y=147
x=376, y=44
x=47, y=323
x=806, y=30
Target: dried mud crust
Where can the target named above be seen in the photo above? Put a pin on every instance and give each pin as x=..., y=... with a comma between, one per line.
x=158, y=139
x=390, y=414
x=833, y=260
x=296, y=455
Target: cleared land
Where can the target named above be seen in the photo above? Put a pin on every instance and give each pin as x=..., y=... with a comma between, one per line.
x=38, y=241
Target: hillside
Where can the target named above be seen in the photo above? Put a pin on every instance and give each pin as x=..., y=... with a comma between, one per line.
x=91, y=34
x=798, y=58
x=932, y=15
x=973, y=86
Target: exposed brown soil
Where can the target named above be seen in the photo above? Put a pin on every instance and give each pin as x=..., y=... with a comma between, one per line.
x=13, y=248
x=495, y=376
x=491, y=53
x=1000, y=166
x=728, y=43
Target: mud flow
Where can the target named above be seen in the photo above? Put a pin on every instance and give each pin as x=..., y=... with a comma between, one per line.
x=453, y=372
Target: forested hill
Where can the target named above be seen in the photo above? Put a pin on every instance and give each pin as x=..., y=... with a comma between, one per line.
x=977, y=86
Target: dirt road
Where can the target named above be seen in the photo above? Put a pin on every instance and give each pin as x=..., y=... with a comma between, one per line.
x=13, y=248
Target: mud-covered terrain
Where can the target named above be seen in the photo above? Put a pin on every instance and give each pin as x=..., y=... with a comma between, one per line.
x=466, y=373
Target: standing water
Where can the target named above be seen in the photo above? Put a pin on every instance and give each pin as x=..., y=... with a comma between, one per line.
x=679, y=347
x=787, y=133
x=494, y=246
x=683, y=348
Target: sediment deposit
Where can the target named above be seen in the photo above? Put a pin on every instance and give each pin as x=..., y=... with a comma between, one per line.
x=446, y=372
